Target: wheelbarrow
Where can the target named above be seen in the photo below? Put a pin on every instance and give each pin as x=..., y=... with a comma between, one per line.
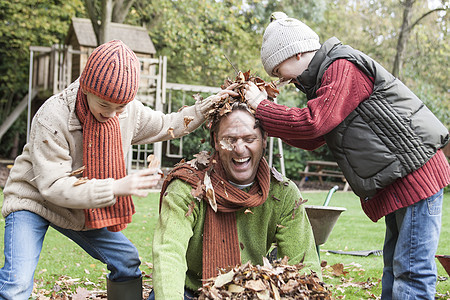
x=445, y=262
x=323, y=218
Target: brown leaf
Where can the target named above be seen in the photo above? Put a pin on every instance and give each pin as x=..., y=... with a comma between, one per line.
x=80, y=181
x=338, y=269
x=187, y=120
x=181, y=162
x=255, y=285
x=248, y=211
x=226, y=145
x=170, y=132
x=190, y=208
x=198, y=191
x=210, y=195
x=78, y=171
x=277, y=175
x=153, y=161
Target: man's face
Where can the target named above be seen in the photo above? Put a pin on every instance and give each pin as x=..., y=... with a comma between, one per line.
x=102, y=109
x=240, y=146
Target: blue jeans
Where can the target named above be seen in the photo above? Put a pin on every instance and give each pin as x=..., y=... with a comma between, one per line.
x=412, y=236
x=24, y=235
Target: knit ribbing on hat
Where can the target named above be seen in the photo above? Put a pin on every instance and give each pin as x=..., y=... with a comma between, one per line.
x=112, y=73
x=283, y=38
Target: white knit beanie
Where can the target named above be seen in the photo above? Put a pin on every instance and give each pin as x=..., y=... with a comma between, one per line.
x=283, y=38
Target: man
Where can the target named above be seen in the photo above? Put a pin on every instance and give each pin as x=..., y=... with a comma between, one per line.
x=385, y=140
x=251, y=208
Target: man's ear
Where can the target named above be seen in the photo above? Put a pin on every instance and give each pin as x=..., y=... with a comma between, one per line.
x=215, y=143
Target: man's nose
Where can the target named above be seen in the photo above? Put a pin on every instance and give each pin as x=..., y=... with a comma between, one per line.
x=239, y=146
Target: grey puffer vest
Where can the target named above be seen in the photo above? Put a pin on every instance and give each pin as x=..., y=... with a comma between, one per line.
x=389, y=135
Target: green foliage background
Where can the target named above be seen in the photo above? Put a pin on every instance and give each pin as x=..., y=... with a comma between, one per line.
x=196, y=35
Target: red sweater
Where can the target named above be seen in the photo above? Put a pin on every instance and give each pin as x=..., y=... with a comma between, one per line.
x=343, y=88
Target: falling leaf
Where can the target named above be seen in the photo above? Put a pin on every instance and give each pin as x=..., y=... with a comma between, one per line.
x=153, y=161
x=181, y=162
x=80, y=181
x=181, y=108
x=170, y=132
x=226, y=145
x=277, y=175
x=297, y=205
x=210, y=195
x=78, y=171
x=198, y=191
x=187, y=120
x=190, y=208
x=197, y=97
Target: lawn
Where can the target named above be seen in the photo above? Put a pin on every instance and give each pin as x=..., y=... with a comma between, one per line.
x=63, y=265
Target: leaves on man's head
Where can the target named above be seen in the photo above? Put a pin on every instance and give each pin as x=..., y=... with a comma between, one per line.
x=222, y=107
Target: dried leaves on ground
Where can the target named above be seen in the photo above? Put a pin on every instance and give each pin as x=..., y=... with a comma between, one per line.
x=271, y=281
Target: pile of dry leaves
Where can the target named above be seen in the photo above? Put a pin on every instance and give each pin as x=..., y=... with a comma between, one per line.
x=271, y=281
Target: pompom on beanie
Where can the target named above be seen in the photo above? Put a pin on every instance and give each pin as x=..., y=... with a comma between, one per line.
x=112, y=73
x=283, y=38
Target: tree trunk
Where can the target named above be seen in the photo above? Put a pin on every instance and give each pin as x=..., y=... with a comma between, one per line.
x=120, y=11
x=107, y=8
x=403, y=38
x=93, y=16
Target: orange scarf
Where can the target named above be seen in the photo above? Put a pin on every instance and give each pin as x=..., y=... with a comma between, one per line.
x=220, y=236
x=103, y=157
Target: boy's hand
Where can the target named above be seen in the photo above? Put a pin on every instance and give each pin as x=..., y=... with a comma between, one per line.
x=254, y=95
x=205, y=104
x=137, y=184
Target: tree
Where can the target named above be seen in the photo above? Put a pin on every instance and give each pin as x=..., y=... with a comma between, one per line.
x=405, y=31
x=103, y=12
x=26, y=23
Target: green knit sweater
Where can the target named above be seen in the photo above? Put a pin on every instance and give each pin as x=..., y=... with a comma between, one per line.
x=177, y=243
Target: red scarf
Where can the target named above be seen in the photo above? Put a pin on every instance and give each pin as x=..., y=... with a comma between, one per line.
x=220, y=236
x=103, y=157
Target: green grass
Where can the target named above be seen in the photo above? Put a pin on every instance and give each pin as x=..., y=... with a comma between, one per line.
x=353, y=231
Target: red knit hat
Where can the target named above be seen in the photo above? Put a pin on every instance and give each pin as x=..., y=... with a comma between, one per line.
x=112, y=73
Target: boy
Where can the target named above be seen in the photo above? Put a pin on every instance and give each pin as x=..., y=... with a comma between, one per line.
x=86, y=129
x=384, y=139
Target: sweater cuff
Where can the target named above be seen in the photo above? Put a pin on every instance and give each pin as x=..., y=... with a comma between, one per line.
x=103, y=195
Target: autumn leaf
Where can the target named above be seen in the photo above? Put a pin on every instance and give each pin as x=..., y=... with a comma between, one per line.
x=248, y=211
x=80, y=181
x=197, y=97
x=277, y=175
x=78, y=171
x=198, y=191
x=338, y=269
x=153, y=161
x=190, y=208
x=226, y=145
x=210, y=195
x=170, y=132
x=187, y=120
